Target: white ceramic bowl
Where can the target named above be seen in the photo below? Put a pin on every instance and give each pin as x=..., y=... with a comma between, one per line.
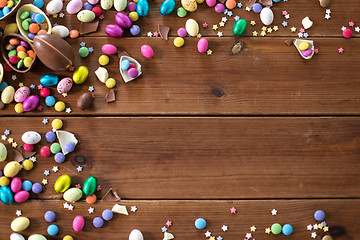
x=124, y=73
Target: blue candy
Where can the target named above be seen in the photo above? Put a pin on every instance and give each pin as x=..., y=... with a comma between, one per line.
x=87, y=6
x=50, y=101
x=125, y=64
x=142, y=8
x=98, y=222
x=38, y=3
x=49, y=216
x=287, y=229
x=50, y=136
x=257, y=7
x=53, y=230
x=6, y=195
x=319, y=215
x=59, y=157
x=27, y=185
x=39, y=18
x=167, y=7
x=200, y=223
x=107, y=214
x=49, y=80
x=6, y=10
x=36, y=188
x=3, y=85
x=134, y=30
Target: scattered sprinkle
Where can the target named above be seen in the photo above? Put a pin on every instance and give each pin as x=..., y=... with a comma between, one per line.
x=82, y=44
x=207, y=234
x=309, y=227
x=98, y=188
x=18, y=213
x=252, y=23
x=341, y=50
x=7, y=132
x=215, y=27
x=224, y=19
x=91, y=210
x=351, y=24
x=91, y=88
x=285, y=24
x=253, y=229
x=46, y=172
x=13, y=77
x=78, y=186
x=209, y=52
x=66, y=205
x=267, y=230
x=164, y=229
x=71, y=207
x=44, y=181
x=91, y=49
x=134, y=209
x=55, y=168
x=224, y=228
x=149, y=34
x=205, y=25
x=293, y=29
x=220, y=34
x=313, y=235
x=79, y=168
x=10, y=140
x=32, y=86
x=233, y=210
x=248, y=236
x=21, y=84
x=3, y=137
x=274, y=212
x=14, y=144
x=45, y=121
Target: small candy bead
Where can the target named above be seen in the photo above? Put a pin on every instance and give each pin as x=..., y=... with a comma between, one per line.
x=50, y=136
x=34, y=28
x=57, y=124
x=134, y=16
x=59, y=157
x=27, y=185
x=28, y=147
x=69, y=147
x=91, y=199
x=181, y=12
x=59, y=106
x=319, y=215
x=55, y=148
x=68, y=237
x=131, y=6
x=53, y=230
x=84, y=52
x=44, y=92
x=133, y=72
x=27, y=61
x=200, y=223
x=74, y=33
x=14, y=41
x=107, y=214
x=28, y=165
x=110, y=83
x=104, y=60
x=125, y=64
x=19, y=108
x=182, y=32
x=179, y=42
x=31, y=54
x=98, y=222
x=45, y=151
x=37, y=188
x=50, y=216
x=134, y=30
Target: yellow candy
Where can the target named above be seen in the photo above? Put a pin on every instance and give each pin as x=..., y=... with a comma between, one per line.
x=103, y=60
x=303, y=46
x=27, y=61
x=110, y=83
x=11, y=169
x=179, y=42
x=134, y=16
x=189, y=5
x=68, y=237
x=28, y=165
x=10, y=4
x=135, y=1
x=22, y=55
x=56, y=124
x=59, y=106
x=80, y=75
x=4, y=181
x=200, y=1
x=11, y=28
x=62, y=183
x=19, y=108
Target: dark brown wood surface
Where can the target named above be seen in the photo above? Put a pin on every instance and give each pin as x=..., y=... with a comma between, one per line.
x=196, y=135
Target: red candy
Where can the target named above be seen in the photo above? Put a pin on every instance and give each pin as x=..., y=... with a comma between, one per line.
x=97, y=11
x=28, y=147
x=45, y=151
x=44, y=92
x=13, y=59
x=7, y=67
x=347, y=33
x=132, y=65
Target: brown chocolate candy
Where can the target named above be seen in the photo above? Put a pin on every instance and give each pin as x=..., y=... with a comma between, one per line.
x=53, y=51
x=85, y=101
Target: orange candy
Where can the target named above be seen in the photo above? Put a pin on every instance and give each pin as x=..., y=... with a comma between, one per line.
x=3, y=3
x=30, y=53
x=74, y=33
x=91, y=199
x=20, y=49
x=42, y=31
x=14, y=41
x=230, y=4
x=34, y=28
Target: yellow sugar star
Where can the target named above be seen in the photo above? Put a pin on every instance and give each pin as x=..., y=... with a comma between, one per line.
x=215, y=27
x=264, y=28
x=326, y=228
x=253, y=229
x=275, y=28
x=65, y=94
x=269, y=30
x=267, y=230
x=263, y=33
x=10, y=140
x=255, y=33
x=55, y=15
x=252, y=23
x=14, y=144
x=293, y=29
x=21, y=84
x=44, y=181
x=198, y=35
x=212, y=238
x=320, y=226
x=221, y=24
x=209, y=52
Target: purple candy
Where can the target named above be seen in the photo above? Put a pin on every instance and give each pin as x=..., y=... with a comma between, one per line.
x=219, y=8
x=131, y=6
x=87, y=6
x=31, y=35
x=33, y=17
x=50, y=137
x=30, y=103
x=114, y=30
x=123, y=20
x=24, y=44
x=257, y=7
x=49, y=216
x=36, y=188
x=133, y=72
x=182, y=32
x=0, y=173
x=98, y=222
x=107, y=214
x=134, y=30
x=307, y=52
x=59, y=157
x=69, y=147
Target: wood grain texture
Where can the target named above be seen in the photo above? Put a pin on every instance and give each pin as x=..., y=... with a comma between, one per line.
x=268, y=77
x=207, y=158
x=152, y=216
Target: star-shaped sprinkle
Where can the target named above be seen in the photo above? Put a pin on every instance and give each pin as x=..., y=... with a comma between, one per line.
x=253, y=229
x=82, y=44
x=230, y=13
x=302, y=30
x=285, y=24
x=219, y=238
x=300, y=35
x=233, y=210
x=328, y=11
x=275, y=28
x=66, y=205
x=207, y=234
x=7, y=132
x=267, y=230
x=351, y=24
x=239, y=5
x=326, y=229
x=61, y=15
x=45, y=121
x=18, y=213
x=39, y=108
x=226, y=11
x=101, y=17
x=341, y=50
x=224, y=19
x=248, y=9
x=32, y=86
x=248, y=236
x=313, y=235
x=98, y=188
x=164, y=229
x=13, y=77
x=10, y=140
x=78, y=186
x=205, y=25
x=149, y=34
x=55, y=16
x=71, y=207
x=68, y=110
x=254, y=33
x=269, y=30
x=221, y=24
x=198, y=35
x=320, y=226
x=306, y=35
x=40, y=87
x=64, y=94
x=91, y=88
x=327, y=16
x=134, y=209
x=343, y=28
x=323, y=223
x=236, y=18
x=287, y=16
x=220, y=34
x=212, y=238
x=316, y=227
x=71, y=68
x=224, y=228
x=3, y=137
x=284, y=13
x=91, y=210
x=274, y=212
x=79, y=168
x=215, y=27
x=33, y=159
x=293, y=29
x=55, y=168
x=46, y=172
x=44, y=181
x=309, y=227
x=91, y=49
x=21, y=84
x=357, y=29
x=14, y=144
x=263, y=33
x=264, y=28
x=155, y=34
x=209, y=52
x=252, y=23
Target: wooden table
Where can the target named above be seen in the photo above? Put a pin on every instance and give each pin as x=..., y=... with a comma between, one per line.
x=196, y=135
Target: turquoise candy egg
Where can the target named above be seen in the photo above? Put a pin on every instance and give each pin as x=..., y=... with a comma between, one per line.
x=90, y=186
x=142, y=8
x=239, y=27
x=6, y=195
x=49, y=80
x=167, y=7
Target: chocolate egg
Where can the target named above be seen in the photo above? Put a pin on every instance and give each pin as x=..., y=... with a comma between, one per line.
x=85, y=101
x=123, y=20
x=53, y=51
x=64, y=85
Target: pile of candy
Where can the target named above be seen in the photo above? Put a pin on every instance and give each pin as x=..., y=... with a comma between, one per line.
x=19, y=53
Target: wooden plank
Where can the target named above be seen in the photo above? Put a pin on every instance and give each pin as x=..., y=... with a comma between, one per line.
x=152, y=216
x=342, y=13
x=206, y=158
x=266, y=78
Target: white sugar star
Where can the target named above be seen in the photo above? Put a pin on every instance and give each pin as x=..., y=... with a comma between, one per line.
x=274, y=212
x=68, y=110
x=91, y=210
x=316, y=227
x=71, y=207
x=220, y=34
x=248, y=9
x=287, y=16
x=45, y=121
x=149, y=34
x=33, y=159
x=357, y=29
x=224, y=19
x=313, y=235
x=248, y=235
x=66, y=205
x=327, y=16
x=328, y=11
x=61, y=15
x=14, y=77
x=133, y=208
x=55, y=168
x=343, y=28
x=18, y=213
x=207, y=234
x=309, y=227
x=4, y=137
x=224, y=228
x=46, y=172
x=79, y=168
x=300, y=35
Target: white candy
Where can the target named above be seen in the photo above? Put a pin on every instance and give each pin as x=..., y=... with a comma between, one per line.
x=54, y=7
x=119, y=209
x=307, y=23
x=31, y=137
x=136, y=235
x=61, y=31
x=102, y=74
x=266, y=16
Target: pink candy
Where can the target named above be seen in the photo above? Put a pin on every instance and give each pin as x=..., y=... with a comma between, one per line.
x=147, y=51
x=109, y=49
x=78, y=223
x=21, y=196
x=13, y=59
x=113, y=30
x=347, y=33
x=307, y=52
x=16, y=185
x=123, y=20
x=31, y=103
x=211, y=3
x=219, y=8
x=202, y=45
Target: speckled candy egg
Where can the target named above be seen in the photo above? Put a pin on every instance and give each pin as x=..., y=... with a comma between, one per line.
x=31, y=137
x=7, y=95
x=266, y=16
x=93, y=2
x=120, y=5
x=114, y=30
x=21, y=94
x=54, y=7
x=192, y=27
x=31, y=103
x=60, y=31
x=86, y=16
x=3, y=152
x=123, y=20
x=74, y=6
x=189, y=5
x=106, y=4
x=64, y=85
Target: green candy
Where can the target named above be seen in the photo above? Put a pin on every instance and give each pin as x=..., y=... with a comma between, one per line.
x=90, y=185
x=239, y=27
x=84, y=52
x=276, y=228
x=24, y=15
x=26, y=23
x=20, y=64
x=55, y=148
x=181, y=12
x=12, y=53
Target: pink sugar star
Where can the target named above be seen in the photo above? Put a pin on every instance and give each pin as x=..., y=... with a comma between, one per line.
x=302, y=30
x=341, y=50
x=98, y=188
x=155, y=34
x=93, y=95
x=351, y=24
x=233, y=210
x=78, y=186
x=39, y=108
x=168, y=223
x=71, y=68
x=284, y=13
x=205, y=25
x=316, y=51
x=40, y=86
x=101, y=17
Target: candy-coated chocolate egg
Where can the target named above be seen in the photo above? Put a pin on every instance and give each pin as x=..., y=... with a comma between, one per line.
x=16, y=236
x=60, y=31
x=3, y=152
x=7, y=95
x=106, y=4
x=16, y=185
x=109, y=49
x=31, y=137
x=202, y=45
x=78, y=223
x=6, y=195
x=86, y=16
x=89, y=186
x=80, y=75
x=114, y=30
x=211, y=3
x=239, y=27
x=147, y=51
x=136, y=235
x=85, y=101
x=11, y=169
x=189, y=5
x=37, y=237
x=62, y=183
x=167, y=7
x=123, y=20
x=31, y=103
x=74, y=6
x=21, y=196
x=266, y=16
x=21, y=94
x=64, y=85
x=54, y=7
x=142, y=8
x=120, y=5
x=192, y=27
x=72, y=195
